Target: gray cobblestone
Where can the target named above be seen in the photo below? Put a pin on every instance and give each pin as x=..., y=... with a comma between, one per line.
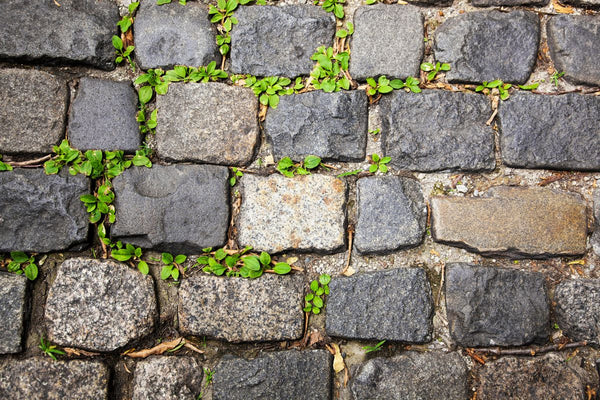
x=172, y=378
x=13, y=292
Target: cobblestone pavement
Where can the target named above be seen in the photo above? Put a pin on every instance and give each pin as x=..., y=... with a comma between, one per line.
x=431, y=236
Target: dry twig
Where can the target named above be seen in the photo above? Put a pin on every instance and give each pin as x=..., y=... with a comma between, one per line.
x=532, y=351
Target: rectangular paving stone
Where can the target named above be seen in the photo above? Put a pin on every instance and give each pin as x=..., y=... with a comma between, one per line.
x=161, y=377
x=489, y=306
x=284, y=375
x=437, y=130
x=175, y=208
x=392, y=305
x=13, y=292
x=42, y=213
x=577, y=309
x=305, y=213
x=558, y=132
x=514, y=222
x=279, y=40
x=242, y=310
x=595, y=239
x=33, y=112
x=219, y=125
x=332, y=126
x=79, y=31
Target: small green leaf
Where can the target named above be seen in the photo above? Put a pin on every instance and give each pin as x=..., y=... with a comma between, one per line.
x=165, y=272
x=19, y=256
x=311, y=162
x=314, y=285
x=324, y=279
x=373, y=168
x=318, y=302
x=180, y=259
x=347, y=173
x=175, y=273
x=167, y=258
x=265, y=258
x=143, y=267
x=31, y=271
x=220, y=254
x=145, y=94
x=282, y=268
x=252, y=263
x=117, y=42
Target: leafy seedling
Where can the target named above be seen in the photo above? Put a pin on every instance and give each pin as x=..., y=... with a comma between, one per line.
x=269, y=89
x=161, y=2
x=328, y=73
x=379, y=164
x=532, y=86
x=348, y=173
x=434, y=69
x=555, y=76
x=222, y=14
x=334, y=6
x=49, y=349
x=374, y=132
x=20, y=263
x=141, y=158
x=4, y=166
x=122, y=54
x=370, y=2
x=502, y=88
x=342, y=33
x=172, y=266
x=377, y=347
x=288, y=168
x=181, y=73
x=130, y=253
x=147, y=125
x=411, y=84
x=99, y=204
x=314, y=301
x=236, y=174
x=64, y=155
x=154, y=81
x=222, y=262
x=127, y=20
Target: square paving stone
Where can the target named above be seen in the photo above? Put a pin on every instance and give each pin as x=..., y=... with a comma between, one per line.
x=488, y=45
x=42, y=213
x=391, y=214
x=578, y=309
x=332, y=126
x=33, y=112
x=219, y=125
x=305, y=213
x=392, y=305
x=489, y=306
x=103, y=116
x=284, y=375
x=242, y=310
x=13, y=291
x=387, y=40
x=437, y=130
x=173, y=378
x=176, y=208
x=99, y=305
x=279, y=40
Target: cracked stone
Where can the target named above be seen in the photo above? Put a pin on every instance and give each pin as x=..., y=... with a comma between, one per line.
x=173, y=378
x=13, y=292
x=578, y=309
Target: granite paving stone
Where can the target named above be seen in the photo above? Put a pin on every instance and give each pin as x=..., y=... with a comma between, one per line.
x=584, y=3
x=33, y=112
x=488, y=45
x=284, y=375
x=279, y=41
x=595, y=239
x=387, y=40
x=392, y=305
x=489, y=306
x=99, y=305
x=509, y=3
x=42, y=213
x=13, y=302
x=578, y=309
x=176, y=208
x=242, y=310
x=305, y=213
x=431, y=3
x=172, y=378
x=219, y=125
x=437, y=130
x=103, y=116
x=514, y=222
x=332, y=126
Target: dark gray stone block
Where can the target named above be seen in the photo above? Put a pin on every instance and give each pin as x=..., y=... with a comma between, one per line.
x=393, y=305
x=584, y=3
x=12, y=311
x=578, y=309
x=279, y=41
x=488, y=45
x=595, y=240
x=437, y=130
x=509, y=3
x=489, y=306
x=329, y=125
x=173, y=378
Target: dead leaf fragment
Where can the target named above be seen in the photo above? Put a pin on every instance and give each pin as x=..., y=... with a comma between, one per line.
x=158, y=349
x=338, y=360
x=78, y=352
x=349, y=272
x=561, y=9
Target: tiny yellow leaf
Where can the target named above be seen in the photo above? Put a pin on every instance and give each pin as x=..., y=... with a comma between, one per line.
x=338, y=360
x=349, y=272
x=576, y=262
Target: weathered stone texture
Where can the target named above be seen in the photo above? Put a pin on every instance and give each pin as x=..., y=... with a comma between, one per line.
x=305, y=213
x=584, y=3
x=578, y=309
x=595, y=239
x=412, y=375
x=79, y=31
x=242, y=310
x=437, y=130
x=41, y=213
x=495, y=307
x=509, y=3
x=177, y=208
x=12, y=311
x=392, y=305
x=513, y=222
x=219, y=125
x=388, y=40
x=279, y=41
x=487, y=45
x=172, y=378
x=329, y=125
x=99, y=305
x=284, y=375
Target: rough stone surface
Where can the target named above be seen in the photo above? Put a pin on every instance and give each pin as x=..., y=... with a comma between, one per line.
x=299, y=375
x=305, y=213
x=411, y=376
x=489, y=306
x=260, y=47
x=513, y=222
x=79, y=31
x=177, y=208
x=12, y=311
x=242, y=310
x=387, y=40
x=584, y=3
x=391, y=214
x=487, y=45
x=23, y=94
x=102, y=116
x=99, y=305
x=172, y=378
x=219, y=125
x=430, y=3
x=392, y=305
x=509, y=3
x=437, y=130
x=46, y=379
x=574, y=42
x=578, y=309
x=595, y=240
x=329, y=125
x=560, y=132
x=169, y=34
x=41, y=213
